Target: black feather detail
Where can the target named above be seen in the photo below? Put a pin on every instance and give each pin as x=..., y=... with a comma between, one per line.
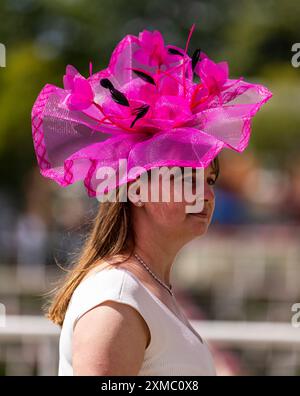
x=116, y=95
x=106, y=83
x=140, y=111
x=144, y=76
x=119, y=98
x=195, y=58
x=174, y=51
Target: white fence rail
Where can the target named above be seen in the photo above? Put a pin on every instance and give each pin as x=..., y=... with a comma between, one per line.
x=39, y=334
x=231, y=333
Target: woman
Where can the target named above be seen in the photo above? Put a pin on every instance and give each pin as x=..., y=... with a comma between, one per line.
x=117, y=309
x=140, y=337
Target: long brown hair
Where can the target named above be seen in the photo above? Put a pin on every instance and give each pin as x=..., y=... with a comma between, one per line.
x=111, y=236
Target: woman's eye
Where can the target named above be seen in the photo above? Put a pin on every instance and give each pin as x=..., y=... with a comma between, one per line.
x=211, y=181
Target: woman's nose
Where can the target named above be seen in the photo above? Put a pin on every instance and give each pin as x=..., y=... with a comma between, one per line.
x=209, y=194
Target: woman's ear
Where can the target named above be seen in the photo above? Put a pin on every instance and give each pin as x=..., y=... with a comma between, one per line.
x=134, y=193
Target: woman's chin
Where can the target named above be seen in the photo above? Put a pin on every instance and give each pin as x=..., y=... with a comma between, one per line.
x=199, y=217
x=200, y=223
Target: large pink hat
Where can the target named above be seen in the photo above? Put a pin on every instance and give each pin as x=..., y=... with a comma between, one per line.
x=146, y=108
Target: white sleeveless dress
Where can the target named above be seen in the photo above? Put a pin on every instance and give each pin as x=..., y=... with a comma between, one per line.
x=174, y=348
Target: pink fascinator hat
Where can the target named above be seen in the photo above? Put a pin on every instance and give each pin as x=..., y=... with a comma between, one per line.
x=154, y=105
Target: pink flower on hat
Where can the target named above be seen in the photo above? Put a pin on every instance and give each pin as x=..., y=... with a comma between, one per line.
x=82, y=95
x=68, y=79
x=153, y=51
x=213, y=75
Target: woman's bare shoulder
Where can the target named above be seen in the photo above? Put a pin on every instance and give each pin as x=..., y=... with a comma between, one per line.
x=117, y=349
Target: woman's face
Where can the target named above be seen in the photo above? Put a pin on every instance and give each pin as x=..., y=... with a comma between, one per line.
x=172, y=218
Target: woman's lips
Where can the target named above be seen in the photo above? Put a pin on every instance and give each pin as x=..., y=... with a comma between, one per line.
x=200, y=214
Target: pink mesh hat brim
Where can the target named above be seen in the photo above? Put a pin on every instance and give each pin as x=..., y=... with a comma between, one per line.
x=145, y=107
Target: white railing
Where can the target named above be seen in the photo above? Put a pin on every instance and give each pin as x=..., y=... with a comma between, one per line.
x=43, y=335
x=226, y=332
x=277, y=335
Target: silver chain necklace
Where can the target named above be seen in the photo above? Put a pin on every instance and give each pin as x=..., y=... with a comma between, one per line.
x=154, y=276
